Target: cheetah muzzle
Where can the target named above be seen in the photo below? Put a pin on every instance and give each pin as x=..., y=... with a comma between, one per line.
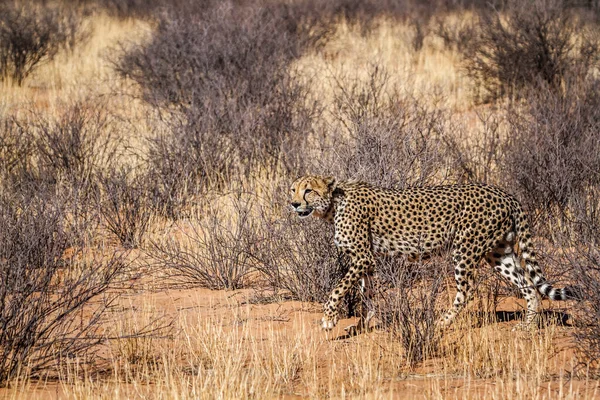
x=304, y=213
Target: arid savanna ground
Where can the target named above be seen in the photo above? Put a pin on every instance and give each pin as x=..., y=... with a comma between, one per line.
x=147, y=248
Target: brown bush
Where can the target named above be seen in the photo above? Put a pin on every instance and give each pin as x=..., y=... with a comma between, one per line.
x=211, y=57
x=31, y=35
x=125, y=207
x=409, y=309
x=383, y=137
x=60, y=157
x=44, y=291
x=16, y=149
x=298, y=258
x=586, y=272
x=552, y=153
x=222, y=76
x=455, y=35
x=478, y=158
x=526, y=42
x=215, y=252
x=75, y=146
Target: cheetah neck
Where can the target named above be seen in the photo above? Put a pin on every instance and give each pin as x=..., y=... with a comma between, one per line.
x=329, y=215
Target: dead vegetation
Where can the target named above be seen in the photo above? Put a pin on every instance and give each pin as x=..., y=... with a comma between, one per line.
x=166, y=173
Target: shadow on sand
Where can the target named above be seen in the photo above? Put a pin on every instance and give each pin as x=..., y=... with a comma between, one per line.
x=546, y=317
x=482, y=318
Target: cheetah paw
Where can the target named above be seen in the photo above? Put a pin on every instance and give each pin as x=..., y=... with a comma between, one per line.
x=327, y=324
x=523, y=326
x=330, y=316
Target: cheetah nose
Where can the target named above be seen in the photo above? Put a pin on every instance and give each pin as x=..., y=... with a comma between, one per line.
x=295, y=205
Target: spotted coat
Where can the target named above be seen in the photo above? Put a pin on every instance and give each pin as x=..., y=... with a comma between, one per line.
x=475, y=221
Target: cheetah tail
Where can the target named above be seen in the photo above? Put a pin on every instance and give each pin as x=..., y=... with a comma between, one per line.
x=527, y=256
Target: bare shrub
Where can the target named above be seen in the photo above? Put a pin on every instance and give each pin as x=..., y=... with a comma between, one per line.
x=211, y=58
x=580, y=262
x=409, y=308
x=552, y=152
x=16, y=149
x=69, y=153
x=46, y=286
x=525, y=42
x=59, y=157
x=222, y=82
x=586, y=272
x=421, y=31
x=75, y=146
x=369, y=12
x=479, y=157
x=298, y=258
x=383, y=137
x=150, y=9
x=456, y=35
x=133, y=8
x=31, y=35
x=75, y=28
x=214, y=252
x=125, y=206
x=184, y=162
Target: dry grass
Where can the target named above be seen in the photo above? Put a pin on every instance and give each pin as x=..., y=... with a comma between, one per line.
x=221, y=346
x=432, y=73
x=82, y=74
x=205, y=344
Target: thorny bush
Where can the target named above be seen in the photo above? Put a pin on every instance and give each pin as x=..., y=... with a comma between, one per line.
x=221, y=80
x=409, y=308
x=212, y=252
x=46, y=285
x=527, y=42
x=560, y=162
x=383, y=137
x=32, y=34
x=125, y=206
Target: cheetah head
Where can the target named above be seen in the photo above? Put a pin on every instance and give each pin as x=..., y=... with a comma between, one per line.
x=312, y=194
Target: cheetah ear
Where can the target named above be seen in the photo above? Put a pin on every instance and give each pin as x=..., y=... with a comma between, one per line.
x=330, y=181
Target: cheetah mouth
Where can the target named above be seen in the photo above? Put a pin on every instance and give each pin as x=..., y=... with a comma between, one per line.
x=304, y=213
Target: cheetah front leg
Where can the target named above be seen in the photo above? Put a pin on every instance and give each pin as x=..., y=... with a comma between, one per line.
x=361, y=261
x=367, y=311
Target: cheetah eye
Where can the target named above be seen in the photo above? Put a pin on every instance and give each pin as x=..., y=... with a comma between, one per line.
x=307, y=191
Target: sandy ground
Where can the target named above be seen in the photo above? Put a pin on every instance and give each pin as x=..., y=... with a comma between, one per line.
x=264, y=327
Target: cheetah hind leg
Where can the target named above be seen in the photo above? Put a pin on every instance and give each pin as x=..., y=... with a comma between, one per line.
x=504, y=261
x=367, y=311
x=464, y=275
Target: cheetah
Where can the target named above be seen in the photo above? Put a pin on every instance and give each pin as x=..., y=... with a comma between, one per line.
x=475, y=221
